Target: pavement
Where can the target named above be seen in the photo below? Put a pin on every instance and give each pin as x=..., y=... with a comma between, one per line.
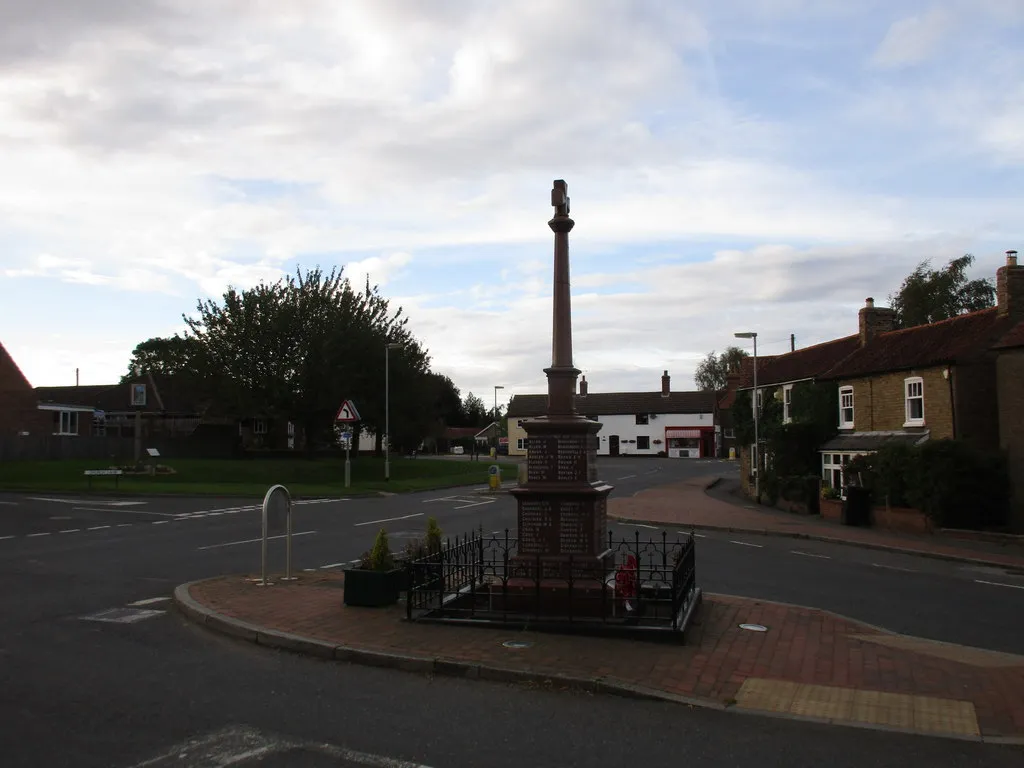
x=808, y=663
x=695, y=504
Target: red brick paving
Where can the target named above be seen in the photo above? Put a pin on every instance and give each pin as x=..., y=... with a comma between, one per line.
x=686, y=504
x=802, y=645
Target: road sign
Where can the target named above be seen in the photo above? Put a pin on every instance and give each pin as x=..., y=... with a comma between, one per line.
x=346, y=436
x=347, y=412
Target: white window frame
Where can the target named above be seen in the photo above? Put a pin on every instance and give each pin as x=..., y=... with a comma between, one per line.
x=643, y=437
x=843, y=423
x=67, y=423
x=259, y=426
x=787, y=403
x=833, y=467
x=521, y=443
x=912, y=384
x=729, y=433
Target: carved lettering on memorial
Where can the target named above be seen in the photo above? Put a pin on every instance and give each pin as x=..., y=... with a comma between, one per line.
x=536, y=527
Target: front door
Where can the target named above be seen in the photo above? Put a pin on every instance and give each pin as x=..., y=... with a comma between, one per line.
x=613, y=445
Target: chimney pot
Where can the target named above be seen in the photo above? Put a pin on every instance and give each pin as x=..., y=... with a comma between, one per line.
x=583, y=387
x=1010, y=288
x=874, y=320
x=869, y=302
x=1011, y=258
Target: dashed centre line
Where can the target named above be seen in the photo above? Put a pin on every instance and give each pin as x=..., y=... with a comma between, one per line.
x=999, y=584
x=893, y=568
x=99, y=527
x=810, y=554
x=746, y=544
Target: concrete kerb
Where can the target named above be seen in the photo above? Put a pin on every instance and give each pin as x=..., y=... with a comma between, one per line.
x=826, y=539
x=439, y=666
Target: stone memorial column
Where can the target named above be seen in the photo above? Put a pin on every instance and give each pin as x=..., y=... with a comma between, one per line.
x=562, y=515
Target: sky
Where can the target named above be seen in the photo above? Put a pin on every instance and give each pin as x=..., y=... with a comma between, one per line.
x=733, y=165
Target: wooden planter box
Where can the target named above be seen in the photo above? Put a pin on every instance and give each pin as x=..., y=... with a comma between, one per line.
x=373, y=589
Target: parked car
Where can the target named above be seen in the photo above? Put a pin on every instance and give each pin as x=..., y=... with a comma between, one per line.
x=458, y=450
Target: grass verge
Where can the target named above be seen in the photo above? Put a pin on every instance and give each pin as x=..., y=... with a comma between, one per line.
x=251, y=477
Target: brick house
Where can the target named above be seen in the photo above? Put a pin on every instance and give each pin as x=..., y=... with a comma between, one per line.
x=935, y=381
x=1010, y=388
x=678, y=424
x=18, y=408
x=787, y=372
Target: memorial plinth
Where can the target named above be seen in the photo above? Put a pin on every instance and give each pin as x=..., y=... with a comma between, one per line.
x=562, y=516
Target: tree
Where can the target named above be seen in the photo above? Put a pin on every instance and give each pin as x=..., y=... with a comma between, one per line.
x=174, y=355
x=929, y=295
x=476, y=412
x=713, y=371
x=298, y=347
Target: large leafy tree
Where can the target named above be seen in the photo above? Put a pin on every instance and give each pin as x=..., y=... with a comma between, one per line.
x=298, y=347
x=928, y=295
x=713, y=370
x=477, y=414
x=175, y=355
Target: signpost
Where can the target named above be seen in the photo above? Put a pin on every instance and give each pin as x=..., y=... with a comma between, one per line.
x=346, y=415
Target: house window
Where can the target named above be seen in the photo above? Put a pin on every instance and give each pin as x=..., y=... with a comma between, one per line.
x=641, y=418
x=914, y=389
x=259, y=426
x=521, y=443
x=99, y=425
x=730, y=433
x=787, y=404
x=833, y=469
x=643, y=443
x=846, y=407
x=65, y=422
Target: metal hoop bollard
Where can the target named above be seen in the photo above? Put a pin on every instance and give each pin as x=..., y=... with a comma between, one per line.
x=267, y=499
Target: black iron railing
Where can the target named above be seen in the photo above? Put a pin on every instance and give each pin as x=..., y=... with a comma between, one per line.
x=636, y=583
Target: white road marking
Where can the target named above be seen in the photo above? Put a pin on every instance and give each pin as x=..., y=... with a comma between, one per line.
x=389, y=519
x=31, y=535
x=125, y=525
x=625, y=477
x=122, y=511
x=89, y=501
x=475, y=504
x=250, y=541
x=150, y=601
x=332, y=565
x=122, y=615
x=160, y=522
x=893, y=568
x=745, y=543
x=10, y=503
x=641, y=525
x=101, y=527
x=5, y=537
x=70, y=530
x=810, y=554
x=651, y=472
x=999, y=584
x=309, y=570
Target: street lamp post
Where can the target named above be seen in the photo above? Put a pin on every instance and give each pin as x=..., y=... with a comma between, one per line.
x=757, y=417
x=497, y=422
x=387, y=410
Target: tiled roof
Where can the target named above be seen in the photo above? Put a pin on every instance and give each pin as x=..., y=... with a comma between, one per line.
x=172, y=393
x=611, y=403
x=1015, y=338
x=7, y=360
x=807, y=363
x=958, y=339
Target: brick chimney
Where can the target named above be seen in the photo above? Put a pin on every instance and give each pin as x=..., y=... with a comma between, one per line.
x=583, y=387
x=1010, y=288
x=874, y=320
x=665, y=390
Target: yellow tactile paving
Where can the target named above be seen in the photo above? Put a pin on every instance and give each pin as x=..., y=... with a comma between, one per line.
x=976, y=657
x=897, y=710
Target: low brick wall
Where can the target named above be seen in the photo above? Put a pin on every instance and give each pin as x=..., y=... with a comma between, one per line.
x=831, y=509
x=903, y=519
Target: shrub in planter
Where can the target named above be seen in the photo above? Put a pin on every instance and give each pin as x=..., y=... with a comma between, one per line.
x=376, y=581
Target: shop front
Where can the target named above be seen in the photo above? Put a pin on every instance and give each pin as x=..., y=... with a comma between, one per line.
x=689, y=442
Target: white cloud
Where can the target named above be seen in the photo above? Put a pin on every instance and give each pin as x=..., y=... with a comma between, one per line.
x=913, y=39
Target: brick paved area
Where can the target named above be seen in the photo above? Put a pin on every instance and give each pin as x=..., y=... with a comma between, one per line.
x=685, y=505
x=936, y=688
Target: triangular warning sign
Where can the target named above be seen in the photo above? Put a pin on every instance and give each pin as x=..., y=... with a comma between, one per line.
x=347, y=412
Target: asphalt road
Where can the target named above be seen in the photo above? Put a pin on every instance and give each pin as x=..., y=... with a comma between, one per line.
x=81, y=692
